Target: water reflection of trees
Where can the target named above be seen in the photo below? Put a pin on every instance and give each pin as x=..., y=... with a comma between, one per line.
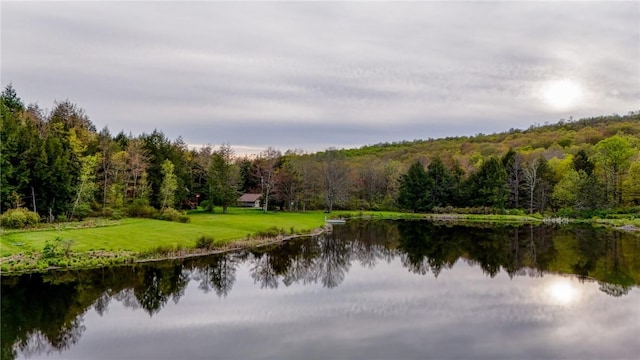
x=425, y=246
x=217, y=273
x=44, y=313
x=326, y=259
x=159, y=284
x=39, y=317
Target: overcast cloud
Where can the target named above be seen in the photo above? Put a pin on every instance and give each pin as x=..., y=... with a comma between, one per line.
x=314, y=75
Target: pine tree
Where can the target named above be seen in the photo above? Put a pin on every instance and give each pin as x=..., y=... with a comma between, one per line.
x=224, y=178
x=414, y=184
x=441, y=185
x=487, y=186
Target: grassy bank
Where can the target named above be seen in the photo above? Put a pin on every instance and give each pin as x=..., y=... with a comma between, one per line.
x=143, y=235
x=99, y=242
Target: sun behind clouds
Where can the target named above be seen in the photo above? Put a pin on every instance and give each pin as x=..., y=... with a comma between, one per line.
x=564, y=94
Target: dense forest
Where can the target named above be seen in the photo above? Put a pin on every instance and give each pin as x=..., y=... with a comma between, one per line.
x=57, y=164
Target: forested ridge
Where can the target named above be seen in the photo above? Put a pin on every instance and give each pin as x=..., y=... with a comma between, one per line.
x=57, y=164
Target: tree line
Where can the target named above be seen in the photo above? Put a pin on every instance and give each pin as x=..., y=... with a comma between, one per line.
x=57, y=164
x=575, y=184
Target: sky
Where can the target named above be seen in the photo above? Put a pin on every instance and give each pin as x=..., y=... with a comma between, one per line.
x=314, y=75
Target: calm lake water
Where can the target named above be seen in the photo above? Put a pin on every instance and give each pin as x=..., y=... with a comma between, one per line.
x=369, y=290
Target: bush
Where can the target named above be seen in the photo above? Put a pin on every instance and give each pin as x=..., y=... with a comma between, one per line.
x=204, y=242
x=271, y=232
x=106, y=212
x=57, y=247
x=169, y=214
x=19, y=218
x=141, y=208
x=51, y=249
x=113, y=214
x=206, y=204
x=66, y=245
x=479, y=210
x=163, y=250
x=82, y=211
x=117, y=215
x=518, y=212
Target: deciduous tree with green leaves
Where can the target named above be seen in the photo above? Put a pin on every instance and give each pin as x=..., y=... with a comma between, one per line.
x=614, y=155
x=87, y=183
x=631, y=185
x=169, y=184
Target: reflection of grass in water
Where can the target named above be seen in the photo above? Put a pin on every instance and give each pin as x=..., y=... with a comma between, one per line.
x=619, y=278
x=609, y=256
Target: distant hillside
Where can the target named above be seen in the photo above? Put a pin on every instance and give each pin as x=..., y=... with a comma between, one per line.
x=568, y=136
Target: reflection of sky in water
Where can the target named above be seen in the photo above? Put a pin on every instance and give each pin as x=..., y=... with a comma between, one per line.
x=380, y=313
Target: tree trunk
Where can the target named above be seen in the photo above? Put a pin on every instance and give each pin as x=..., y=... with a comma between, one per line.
x=33, y=198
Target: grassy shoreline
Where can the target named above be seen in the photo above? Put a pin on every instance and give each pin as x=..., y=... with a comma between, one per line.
x=99, y=242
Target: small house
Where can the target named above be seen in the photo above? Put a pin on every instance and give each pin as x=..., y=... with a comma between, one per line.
x=250, y=200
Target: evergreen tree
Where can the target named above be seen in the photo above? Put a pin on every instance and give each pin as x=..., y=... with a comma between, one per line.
x=10, y=140
x=591, y=194
x=158, y=148
x=487, y=186
x=581, y=162
x=223, y=178
x=413, y=189
x=441, y=185
x=56, y=172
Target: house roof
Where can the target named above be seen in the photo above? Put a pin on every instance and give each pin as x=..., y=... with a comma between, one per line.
x=249, y=197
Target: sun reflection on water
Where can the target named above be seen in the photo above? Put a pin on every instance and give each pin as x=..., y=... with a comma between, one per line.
x=562, y=292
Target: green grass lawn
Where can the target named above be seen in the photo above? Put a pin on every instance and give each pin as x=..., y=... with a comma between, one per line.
x=140, y=235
